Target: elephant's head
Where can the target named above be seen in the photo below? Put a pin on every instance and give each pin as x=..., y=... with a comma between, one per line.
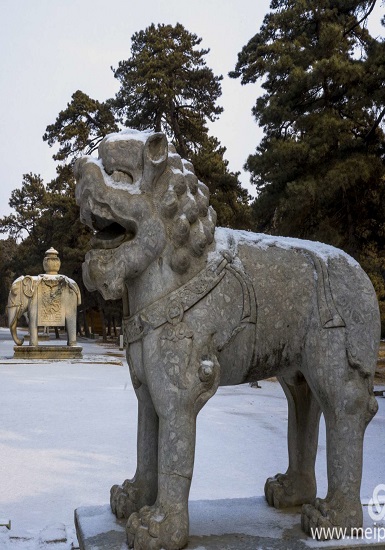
x=21, y=292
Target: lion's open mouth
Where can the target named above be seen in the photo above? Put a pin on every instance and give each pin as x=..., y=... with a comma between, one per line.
x=113, y=235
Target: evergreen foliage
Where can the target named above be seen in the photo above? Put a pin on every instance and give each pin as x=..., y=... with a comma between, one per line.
x=8, y=252
x=164, y=86
x=167, y=86
x=230, y=200
x=319, y=169
x=46, y=216
x=80, y=127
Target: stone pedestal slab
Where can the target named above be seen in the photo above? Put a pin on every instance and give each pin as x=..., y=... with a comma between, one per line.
x=231, y=524
x=47, y=352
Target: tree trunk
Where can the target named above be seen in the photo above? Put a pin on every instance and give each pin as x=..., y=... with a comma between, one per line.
x=181, y=146
x=85, y=324
x=104, y=326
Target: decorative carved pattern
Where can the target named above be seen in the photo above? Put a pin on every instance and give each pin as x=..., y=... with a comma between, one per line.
x=132, y=328
x=175, y=352
x=173, y=333
x=51, y=310
x=171, y=308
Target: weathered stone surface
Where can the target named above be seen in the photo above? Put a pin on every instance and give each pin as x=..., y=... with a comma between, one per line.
x=49, y=300
x=98, y=529
x=47, y=352
x=206, y=306
x=50, y=303
x=234, y=524
x=92, y=359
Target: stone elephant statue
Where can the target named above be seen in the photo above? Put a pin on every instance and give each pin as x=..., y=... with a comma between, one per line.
x=23, y=297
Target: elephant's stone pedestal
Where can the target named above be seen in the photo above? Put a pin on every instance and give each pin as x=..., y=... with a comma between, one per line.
x=47, y=352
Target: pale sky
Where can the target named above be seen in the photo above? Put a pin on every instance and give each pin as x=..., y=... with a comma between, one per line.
x=51, y=48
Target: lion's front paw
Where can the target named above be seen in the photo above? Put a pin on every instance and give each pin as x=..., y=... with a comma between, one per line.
x=154, y=529
x=124, y=499
x=285, y=490
x=325, y=521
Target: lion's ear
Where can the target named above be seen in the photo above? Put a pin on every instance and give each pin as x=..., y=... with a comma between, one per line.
x=154, y=157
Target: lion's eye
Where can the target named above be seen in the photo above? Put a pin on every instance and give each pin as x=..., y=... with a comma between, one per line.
x=121, y=177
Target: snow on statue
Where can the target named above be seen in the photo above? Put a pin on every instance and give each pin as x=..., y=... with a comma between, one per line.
x=205, y=307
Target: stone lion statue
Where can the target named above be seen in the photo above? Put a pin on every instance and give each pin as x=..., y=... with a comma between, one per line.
x=207, y=306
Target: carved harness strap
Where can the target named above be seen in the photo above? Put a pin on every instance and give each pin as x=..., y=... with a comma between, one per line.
x=171, y=308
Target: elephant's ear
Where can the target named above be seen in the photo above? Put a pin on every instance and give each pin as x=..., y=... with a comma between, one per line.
x=28, y=286
x=15, y=289
x=74, y=287
x=79, y=296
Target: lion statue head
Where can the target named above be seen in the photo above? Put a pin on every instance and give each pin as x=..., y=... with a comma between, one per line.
x=144, y=202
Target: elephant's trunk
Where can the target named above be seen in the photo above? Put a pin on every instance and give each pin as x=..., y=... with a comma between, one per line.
x=12, y=323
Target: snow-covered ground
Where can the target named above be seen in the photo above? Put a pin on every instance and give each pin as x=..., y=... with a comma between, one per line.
x=68, y=432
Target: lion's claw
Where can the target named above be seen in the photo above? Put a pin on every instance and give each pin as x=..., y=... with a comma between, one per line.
x=286, y=490
x=327, y=520
x=125, y=499
x=153, y=529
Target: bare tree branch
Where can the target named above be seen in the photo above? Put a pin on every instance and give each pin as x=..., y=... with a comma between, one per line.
x=375, y=125
x=357, y=23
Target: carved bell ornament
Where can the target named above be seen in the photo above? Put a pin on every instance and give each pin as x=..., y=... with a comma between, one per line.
x=51, y=262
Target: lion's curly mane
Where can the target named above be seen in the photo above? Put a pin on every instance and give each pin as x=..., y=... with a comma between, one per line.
x=183, y=202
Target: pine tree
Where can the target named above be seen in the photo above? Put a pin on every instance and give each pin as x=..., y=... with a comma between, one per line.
x=46, y=216
x=319, y=169
x=167, y=86
x=28, y=204
x=8, y=251
x=321, y=113
x=228, y=197
x=80, y=127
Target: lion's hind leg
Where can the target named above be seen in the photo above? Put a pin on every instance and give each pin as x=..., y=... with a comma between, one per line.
x=298, y=485
x=140, y=491
x=348, y=404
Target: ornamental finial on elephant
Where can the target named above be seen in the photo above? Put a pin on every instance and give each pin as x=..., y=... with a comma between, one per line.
x=51, y=262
